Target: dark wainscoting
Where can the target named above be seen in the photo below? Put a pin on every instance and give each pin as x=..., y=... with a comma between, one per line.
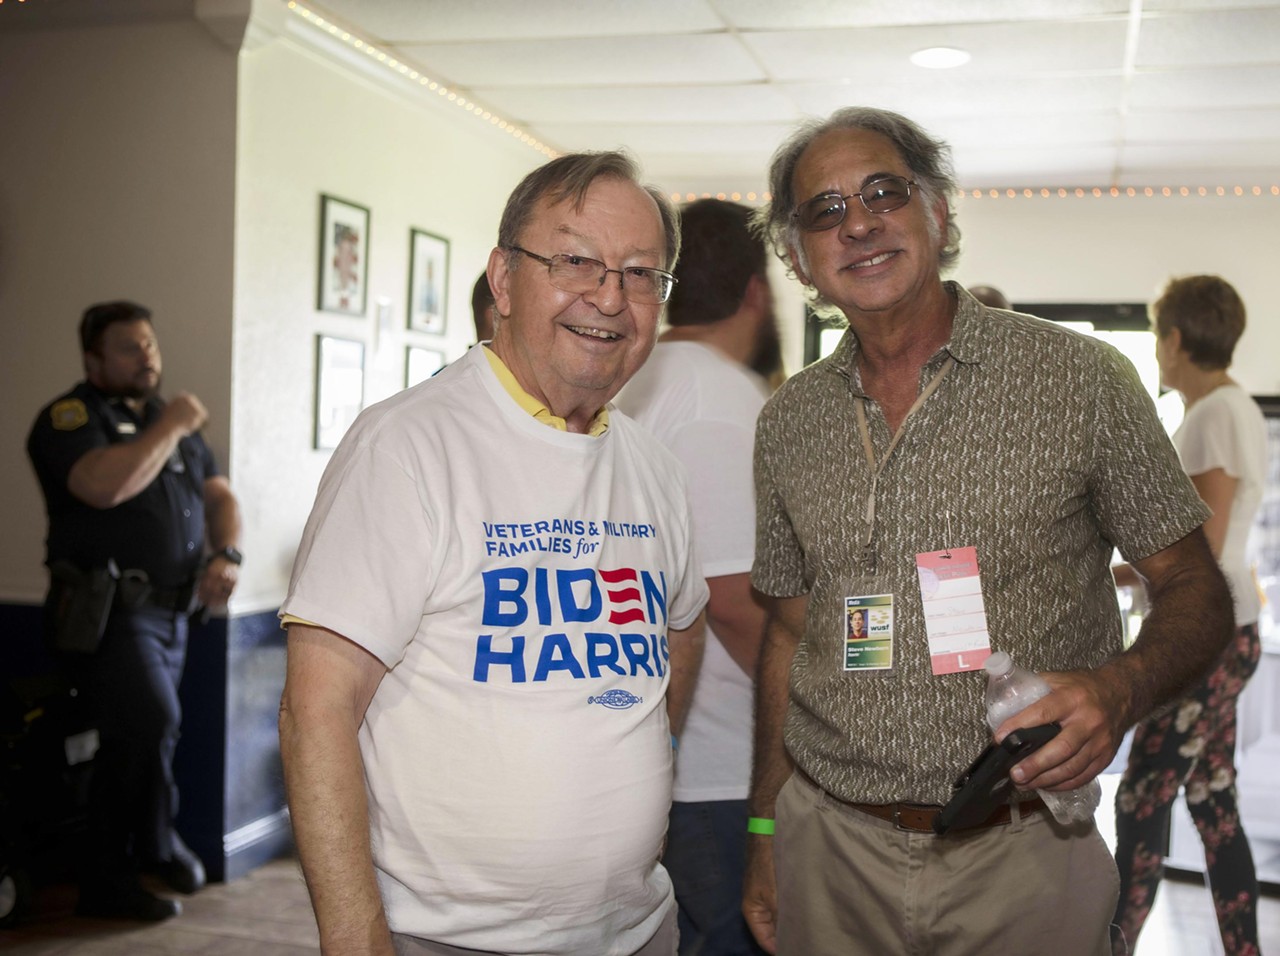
x=228, y=762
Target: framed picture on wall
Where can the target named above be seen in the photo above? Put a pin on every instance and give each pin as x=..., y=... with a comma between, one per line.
x=344, y=256
x=420, y=364
x=339, y=388
x=428, y=281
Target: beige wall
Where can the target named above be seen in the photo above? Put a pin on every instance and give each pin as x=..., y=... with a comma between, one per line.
x=118, y=152
x=1124, y=250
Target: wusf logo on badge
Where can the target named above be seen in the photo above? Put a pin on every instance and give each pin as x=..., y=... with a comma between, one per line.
x=571, y=620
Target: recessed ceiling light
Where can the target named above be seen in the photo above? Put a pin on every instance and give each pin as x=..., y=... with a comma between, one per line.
x=940, y=58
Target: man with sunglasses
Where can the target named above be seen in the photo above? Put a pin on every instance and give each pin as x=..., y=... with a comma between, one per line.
x=495, y=616
x=961, y=475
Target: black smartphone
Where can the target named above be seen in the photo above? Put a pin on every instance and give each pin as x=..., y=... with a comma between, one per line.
x=986, y=784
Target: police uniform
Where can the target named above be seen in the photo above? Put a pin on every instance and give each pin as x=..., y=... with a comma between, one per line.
x=131, y=681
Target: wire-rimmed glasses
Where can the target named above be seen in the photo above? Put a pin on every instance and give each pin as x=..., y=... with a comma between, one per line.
x=578, y=274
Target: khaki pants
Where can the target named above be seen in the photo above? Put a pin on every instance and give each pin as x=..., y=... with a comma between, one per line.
x=850, y=884
x=663, y=943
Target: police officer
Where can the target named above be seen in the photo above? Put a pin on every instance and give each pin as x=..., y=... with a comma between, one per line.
x=142, y=529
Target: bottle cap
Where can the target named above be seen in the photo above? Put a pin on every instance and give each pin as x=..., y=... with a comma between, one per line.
x=998, y=664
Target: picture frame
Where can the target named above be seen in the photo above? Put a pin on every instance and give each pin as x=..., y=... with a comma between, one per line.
x=343, y=269
x=428, y=282
x=339, y=392
x=420, y=364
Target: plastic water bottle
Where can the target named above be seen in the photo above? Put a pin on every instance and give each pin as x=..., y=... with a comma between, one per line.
x=1010, y=689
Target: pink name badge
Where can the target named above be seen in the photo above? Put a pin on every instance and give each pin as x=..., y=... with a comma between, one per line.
x=955, y=619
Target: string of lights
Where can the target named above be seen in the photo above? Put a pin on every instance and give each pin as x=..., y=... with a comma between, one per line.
x=413, y=74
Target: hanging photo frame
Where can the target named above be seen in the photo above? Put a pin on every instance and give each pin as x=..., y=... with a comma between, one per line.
x=344, y=257
x=428, y=282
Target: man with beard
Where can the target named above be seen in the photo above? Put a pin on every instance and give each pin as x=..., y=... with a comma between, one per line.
x=133, y=496
x=698, y=394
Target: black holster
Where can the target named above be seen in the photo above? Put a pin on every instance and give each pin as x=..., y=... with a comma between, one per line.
x=78, y=605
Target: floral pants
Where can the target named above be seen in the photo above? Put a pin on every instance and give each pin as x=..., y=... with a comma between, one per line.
x=1191, y=746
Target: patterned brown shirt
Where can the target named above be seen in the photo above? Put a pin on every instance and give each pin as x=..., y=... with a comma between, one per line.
x=1041, y=449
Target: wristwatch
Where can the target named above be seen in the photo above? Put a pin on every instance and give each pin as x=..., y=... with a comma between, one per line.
x=231, y=554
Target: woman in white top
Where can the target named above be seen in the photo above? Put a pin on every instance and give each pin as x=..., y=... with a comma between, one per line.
x=1222, y=444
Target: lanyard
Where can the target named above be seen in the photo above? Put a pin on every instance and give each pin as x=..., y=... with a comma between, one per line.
x=876, y=469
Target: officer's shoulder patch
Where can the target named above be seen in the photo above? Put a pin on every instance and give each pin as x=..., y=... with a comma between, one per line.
x=68, y=414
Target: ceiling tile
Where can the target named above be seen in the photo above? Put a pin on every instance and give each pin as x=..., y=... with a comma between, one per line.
x=1174, y=126
x=958, y=96
x=748, y=102
x=435, y=21
x=692, y=139
x=1207, y=88
x=1008, y=49
x=804, y=14
x=598, y=63
x=1217, y=38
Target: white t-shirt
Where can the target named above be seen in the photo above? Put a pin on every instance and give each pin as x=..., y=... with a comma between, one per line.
x=703, y=406
x=518, y=582
x=1226, y=430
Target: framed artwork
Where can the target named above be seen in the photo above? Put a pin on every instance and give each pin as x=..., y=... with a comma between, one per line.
x=428, y=281
x=339, y=387
x=344, y=256
x=420, y=364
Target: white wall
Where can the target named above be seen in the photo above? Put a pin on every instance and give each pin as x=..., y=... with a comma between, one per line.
x=1124, y=250
x=117, y=146
x=310, y=126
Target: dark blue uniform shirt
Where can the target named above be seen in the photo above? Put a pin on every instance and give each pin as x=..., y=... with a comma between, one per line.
x=160, y=530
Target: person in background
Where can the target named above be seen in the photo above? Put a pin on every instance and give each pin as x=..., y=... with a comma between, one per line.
x=1007, y=452
x=698, y=395
x=142, y=529
x=1222, y=444
x=482, y=308
x=990, y=296
x=495, y=617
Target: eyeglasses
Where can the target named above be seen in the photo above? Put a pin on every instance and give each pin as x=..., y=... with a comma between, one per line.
x=580, y=275
x=878, y=196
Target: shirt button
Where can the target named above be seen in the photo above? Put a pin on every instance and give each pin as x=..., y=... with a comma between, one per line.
x=191, y=545
x=186, y=512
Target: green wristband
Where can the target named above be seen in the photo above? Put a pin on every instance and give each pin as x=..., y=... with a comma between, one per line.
x=760, y=825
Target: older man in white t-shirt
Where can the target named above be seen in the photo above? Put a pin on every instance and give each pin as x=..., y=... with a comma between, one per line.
x=495, y=617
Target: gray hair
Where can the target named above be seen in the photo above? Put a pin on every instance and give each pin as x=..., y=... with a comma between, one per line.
x=569, y=177
x=928, y=159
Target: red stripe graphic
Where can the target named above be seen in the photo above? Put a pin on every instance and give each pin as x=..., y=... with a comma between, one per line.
x=623, y=595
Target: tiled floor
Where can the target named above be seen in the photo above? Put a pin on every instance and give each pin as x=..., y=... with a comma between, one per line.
x=267, y=914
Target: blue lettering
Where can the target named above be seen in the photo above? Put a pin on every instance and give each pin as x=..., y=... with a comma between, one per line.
x=496, y=595
x=557, y=655
x=542, y=595
x=569, y=608
x=657, y=658
x=486, y=657
x=655, y=595
x=602, y=651
x=637, y=650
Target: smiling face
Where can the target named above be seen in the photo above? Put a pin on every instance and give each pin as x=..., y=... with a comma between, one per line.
x=574, y=352
x=871, y=262
x=126, y=361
